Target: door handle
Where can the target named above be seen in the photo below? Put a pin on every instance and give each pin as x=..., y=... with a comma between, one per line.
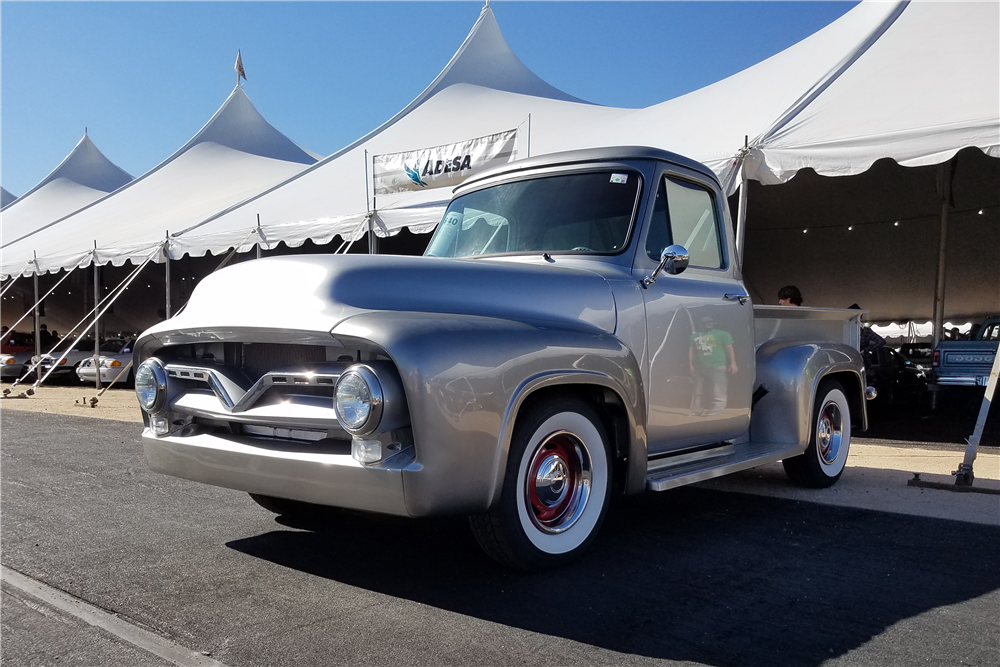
x=742, y=298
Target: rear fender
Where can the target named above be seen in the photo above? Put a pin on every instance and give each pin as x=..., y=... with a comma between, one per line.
x=791, y=371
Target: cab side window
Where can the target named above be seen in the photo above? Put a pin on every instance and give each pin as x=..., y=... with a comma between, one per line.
x=685, y=214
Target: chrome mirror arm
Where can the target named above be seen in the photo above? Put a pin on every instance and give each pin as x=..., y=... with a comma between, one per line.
x=674, y=259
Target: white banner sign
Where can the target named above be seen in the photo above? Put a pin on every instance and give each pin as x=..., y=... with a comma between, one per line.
x=441, y=166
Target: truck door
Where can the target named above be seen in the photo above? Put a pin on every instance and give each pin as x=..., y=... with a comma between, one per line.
x=699, y=329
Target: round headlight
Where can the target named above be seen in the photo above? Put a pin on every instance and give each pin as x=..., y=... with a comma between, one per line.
x=359, y=400
x=151, y=385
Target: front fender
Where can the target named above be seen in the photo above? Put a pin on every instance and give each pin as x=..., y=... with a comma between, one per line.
x=791, y=372
x=465, y=379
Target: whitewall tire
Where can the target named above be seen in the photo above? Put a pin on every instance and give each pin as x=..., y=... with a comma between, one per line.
x=822, y=464
x=555, y=491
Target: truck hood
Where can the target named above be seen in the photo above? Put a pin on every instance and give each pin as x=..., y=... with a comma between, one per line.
x=316, y=292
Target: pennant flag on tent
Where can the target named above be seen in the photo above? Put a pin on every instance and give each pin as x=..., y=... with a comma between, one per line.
x=441, y=166
x=239, y=68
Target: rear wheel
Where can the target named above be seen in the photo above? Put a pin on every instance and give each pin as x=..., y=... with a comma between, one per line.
x=556, y=488
x=823, y=462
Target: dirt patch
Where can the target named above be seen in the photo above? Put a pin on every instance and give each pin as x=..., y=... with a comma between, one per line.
x=120, y=404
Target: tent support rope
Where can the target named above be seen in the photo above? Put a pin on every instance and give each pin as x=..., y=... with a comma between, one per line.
x=29, y=311
x=110, y=299
x=114, y=295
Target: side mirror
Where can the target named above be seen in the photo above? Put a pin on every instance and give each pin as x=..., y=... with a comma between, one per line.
x=674, y=259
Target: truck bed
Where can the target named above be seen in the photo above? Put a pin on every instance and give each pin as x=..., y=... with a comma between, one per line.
x=836, y=325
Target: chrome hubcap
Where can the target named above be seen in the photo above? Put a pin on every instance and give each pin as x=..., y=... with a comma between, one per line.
x=558, y=482
x=829, y=433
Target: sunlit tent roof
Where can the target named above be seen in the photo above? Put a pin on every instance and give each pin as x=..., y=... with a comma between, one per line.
x=911, y=84
x=865, y=87
x=234, y=156
x=83, y=177
x=6, y=197
x=483, y=90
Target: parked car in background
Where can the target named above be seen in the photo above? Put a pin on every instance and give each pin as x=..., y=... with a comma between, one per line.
x=12, y=365
x=900, y=382
x=116, y=355
x=65, y=367
x=919, y=354
x=17, y=341
x=967, y=363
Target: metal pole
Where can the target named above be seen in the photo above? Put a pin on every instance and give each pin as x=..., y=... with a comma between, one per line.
x=166, y=252
x=38, y=330
x=372, y=239
x=964, y=476
x=97, y=325
x=259, y=236
x=529, y=135
x=945, y=192
x=741, y=214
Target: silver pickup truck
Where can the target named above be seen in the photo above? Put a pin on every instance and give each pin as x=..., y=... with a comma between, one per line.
x=577, y=328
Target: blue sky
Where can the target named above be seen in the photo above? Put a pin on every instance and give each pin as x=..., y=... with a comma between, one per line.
x=144, y=77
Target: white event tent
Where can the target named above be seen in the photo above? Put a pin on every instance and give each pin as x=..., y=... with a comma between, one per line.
x=911, y=84
x=864, y=88
x=234, y=156
x=83, y=177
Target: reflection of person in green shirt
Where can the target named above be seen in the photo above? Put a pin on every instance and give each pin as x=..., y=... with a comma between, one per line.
x=710, y=356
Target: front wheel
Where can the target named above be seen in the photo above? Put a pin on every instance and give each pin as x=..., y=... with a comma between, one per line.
x=823, y=462
x=556, y=488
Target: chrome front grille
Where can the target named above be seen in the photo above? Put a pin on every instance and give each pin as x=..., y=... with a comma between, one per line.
x=284, y=399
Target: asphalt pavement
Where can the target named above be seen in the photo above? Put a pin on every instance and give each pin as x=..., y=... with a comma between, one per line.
x=693, y=575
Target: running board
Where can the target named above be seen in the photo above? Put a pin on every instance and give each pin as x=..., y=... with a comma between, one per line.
x=715, y=463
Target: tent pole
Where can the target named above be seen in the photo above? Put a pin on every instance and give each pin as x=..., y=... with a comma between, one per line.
x=97, y=337
x=260, y=236
x=964, y=476
x=741, y=216
x=38, y=330
x=372, y=240
x=944, y=190
x=166, y=252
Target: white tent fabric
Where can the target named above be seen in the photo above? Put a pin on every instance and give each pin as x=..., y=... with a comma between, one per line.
x=484, y=89
x=863, y=88
x=234, y=156
x=914, y=82
x=84, y=176
x=6, y=197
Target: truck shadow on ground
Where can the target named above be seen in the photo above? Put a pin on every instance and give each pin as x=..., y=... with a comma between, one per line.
x=691, y=574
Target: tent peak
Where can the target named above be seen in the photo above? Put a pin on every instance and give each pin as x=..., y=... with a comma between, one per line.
x=239, y=126
x=485, y=59
x=86, y=165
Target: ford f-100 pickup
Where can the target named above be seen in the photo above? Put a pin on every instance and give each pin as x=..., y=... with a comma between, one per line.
x=578, y=327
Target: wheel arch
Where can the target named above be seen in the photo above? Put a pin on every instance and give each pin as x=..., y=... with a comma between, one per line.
x=624, y=422
x=791, y=372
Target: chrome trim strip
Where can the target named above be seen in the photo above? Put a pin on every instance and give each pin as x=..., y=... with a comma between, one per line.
x=325, y=375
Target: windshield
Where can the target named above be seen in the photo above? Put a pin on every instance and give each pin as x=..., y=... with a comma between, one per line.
x=586, y=213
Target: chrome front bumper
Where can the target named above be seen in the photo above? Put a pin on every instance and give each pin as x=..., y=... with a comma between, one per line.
x=243, y=464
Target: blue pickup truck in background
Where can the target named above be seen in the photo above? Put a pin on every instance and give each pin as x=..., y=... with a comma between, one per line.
x=967, y=363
